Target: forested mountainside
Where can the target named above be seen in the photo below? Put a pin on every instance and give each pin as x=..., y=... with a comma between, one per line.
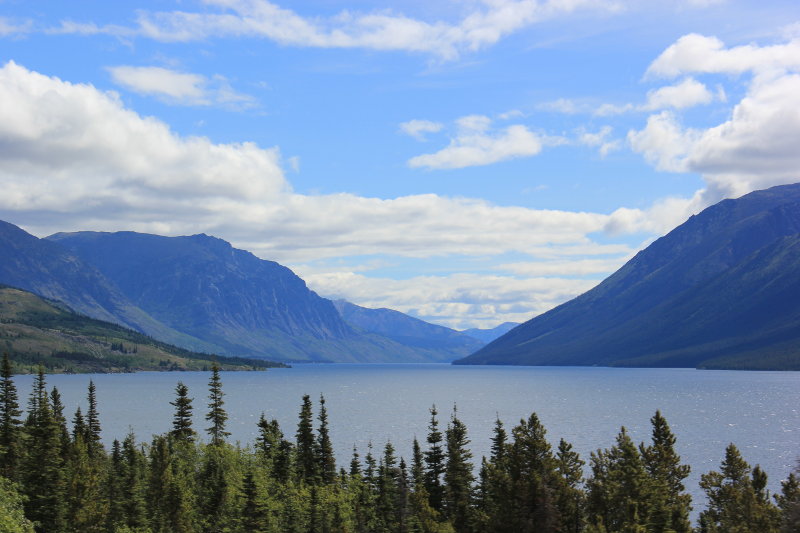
x=35, y=331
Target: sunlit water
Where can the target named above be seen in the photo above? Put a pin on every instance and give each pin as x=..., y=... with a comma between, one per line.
x=758, y=411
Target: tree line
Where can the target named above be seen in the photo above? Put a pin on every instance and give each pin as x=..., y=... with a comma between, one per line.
x=58, y=477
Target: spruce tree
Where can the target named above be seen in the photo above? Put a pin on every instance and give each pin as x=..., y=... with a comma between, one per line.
x=325, y=458
x=10, y=423
x=94, y=445
x=671, y=504
x=570, y=493
x=458, y=476
x=434, y=462
x=42, y=467
x=306, y=443
x=737, y=499
x=182, y=419
x=216, y=414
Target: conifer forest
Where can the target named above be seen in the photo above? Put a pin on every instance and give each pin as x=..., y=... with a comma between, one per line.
x=57, y=476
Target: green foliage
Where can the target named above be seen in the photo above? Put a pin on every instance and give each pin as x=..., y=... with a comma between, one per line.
x=12, y=517
x=177, y=484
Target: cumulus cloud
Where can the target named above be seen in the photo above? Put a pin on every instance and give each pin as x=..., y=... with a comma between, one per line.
x=418, y=128
x=181, y=88
x=688, y=93
x=79, y=159
x=756, y=147
x=475, y=145
x=695, y=53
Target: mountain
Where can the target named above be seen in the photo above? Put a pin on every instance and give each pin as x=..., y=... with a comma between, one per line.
x=488, y=335
x=37, y=331
x=721, y=290
x=50, y=270
x=204, y=288
x=441, y=343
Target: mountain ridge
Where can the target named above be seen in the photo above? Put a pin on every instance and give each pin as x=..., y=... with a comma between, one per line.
x=657, y=309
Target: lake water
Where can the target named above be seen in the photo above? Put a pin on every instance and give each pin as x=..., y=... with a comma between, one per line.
x=758, y=411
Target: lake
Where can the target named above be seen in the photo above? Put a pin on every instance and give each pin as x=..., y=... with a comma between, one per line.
x=707, y=410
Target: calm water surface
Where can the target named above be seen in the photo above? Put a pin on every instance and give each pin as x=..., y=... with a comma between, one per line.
x=758, y=411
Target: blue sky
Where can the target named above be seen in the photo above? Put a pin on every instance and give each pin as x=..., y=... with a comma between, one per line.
x=468, y=162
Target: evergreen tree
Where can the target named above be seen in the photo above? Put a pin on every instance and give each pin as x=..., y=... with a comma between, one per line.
x=531, y=471
x=10, y=423
x=325, y=459
x=570, y=494
x=87, y=507
x=619, y=497
x=182, y=419
x=671, y=504
x=42, y=466
x=737, y=498
x=133, y=483
x=306, y=443
x=458, y=476
x=434, y=462
x=94, y=445
x=788, y=502
x=255, y=512
x=216, y=414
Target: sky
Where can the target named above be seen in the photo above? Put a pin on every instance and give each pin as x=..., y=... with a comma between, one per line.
x=469, y=162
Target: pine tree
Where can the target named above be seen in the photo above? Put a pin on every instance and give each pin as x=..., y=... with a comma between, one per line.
x=434, y=462
x=182, y=419
x=325, y=458
x=216, y=414
x=671, y=504
x=570, y=494
x=737, y=499
x=10, y=423
x=306, y=443
x=620, y=497
x=42, y=466
x=94, y=445
x=458, y=476
x=788, y=502
x=133, y=483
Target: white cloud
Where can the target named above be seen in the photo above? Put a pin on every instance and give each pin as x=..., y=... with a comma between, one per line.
x=458, y=301
x=9, y=27
x=757, y=146
x=688, y=93
x=600, y=140
x=562, y=105
x=418, y=128
x=475, y=145
x=380, y=30
x=181, y=88
x=73, y=157
x=695, y=53
x=566, y=267
x=664, y=143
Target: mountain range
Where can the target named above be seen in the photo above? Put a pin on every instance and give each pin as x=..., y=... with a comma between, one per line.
x=200, y=293
x=721, y=290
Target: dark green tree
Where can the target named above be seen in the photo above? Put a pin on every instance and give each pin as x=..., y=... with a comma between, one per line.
x=306, y=443
x=737, y=498
x=788, y=502
x=434, y=463
x=216, y=413
x=325, y=459
x=10, y=423
x=42, y=468
x=94, y=444
x=458, y=476
x=670, y=505
x=182, y=419
x=571, y=498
